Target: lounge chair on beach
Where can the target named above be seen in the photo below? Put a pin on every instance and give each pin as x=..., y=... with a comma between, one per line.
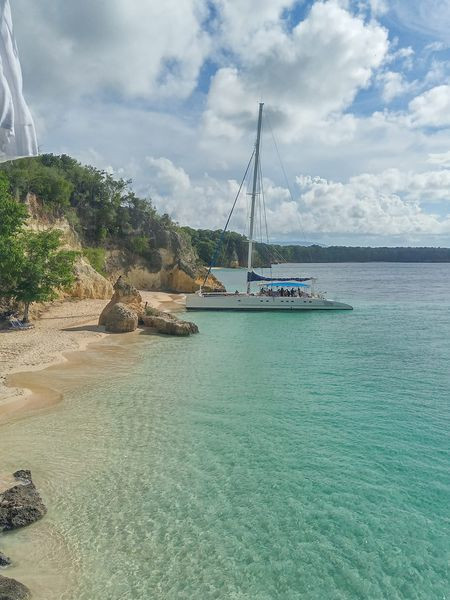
x=19, y=325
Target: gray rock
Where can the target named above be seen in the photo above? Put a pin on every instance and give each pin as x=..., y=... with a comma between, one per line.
x=20, y=505
x=4, y=560
x=10, y=589
x=23, y=475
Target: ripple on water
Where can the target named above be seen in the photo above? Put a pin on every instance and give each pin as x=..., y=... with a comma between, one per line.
x=277, y=457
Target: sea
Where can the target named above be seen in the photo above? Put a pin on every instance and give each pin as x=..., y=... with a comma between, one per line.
x=274, y=456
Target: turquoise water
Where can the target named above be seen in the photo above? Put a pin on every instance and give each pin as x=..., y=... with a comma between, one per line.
x=273, y=456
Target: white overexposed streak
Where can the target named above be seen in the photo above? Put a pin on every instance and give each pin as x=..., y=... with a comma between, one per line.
x=17, y=132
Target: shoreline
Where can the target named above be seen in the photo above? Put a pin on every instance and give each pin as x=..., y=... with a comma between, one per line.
x=65, y=327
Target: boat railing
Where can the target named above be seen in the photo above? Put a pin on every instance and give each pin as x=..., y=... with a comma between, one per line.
x=209, y=294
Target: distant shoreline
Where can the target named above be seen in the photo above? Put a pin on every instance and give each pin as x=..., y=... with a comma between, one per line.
x=337, y=262
x=231, y=250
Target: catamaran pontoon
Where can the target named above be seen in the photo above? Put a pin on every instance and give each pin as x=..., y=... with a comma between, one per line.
x=286, y=293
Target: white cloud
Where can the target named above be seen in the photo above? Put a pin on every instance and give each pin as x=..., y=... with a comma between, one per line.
x=304, y=75
x=388, y=204
x=378, y=7
x=134, y=49
x=205, y=202
x=250, y=30
x=432, y=108
x=441, y=159
x=394, y=85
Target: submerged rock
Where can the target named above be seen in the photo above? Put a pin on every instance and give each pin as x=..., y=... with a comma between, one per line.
x=121, y=319
x=10, y=589
x=4, y=560
x=21, y=504
x=168, y=324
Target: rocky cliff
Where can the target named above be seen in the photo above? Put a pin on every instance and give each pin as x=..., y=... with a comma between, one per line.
x=171, y=266
x=88, y=282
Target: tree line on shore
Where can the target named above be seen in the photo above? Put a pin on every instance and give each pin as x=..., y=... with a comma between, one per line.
x=230, y=250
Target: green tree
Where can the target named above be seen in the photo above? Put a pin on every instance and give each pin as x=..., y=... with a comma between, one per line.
x=12, y=217
x=44, y=269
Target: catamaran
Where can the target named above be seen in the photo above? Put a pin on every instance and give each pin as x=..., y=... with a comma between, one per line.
x=275, y=293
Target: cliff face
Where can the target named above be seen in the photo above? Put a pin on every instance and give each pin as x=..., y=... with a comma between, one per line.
x=88, y=282
x=171, y=264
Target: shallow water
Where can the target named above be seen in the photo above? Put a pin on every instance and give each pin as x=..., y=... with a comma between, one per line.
x=274, y=456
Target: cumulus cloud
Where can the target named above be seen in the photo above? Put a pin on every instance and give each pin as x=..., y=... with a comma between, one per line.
x=305, y=75
x=205, y=202
x=432, y=108
x=134, y=49
x=394, y=85
x=388, y=204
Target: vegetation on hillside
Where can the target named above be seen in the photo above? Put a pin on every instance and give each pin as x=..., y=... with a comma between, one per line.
x=32, y=265
x=102, y=210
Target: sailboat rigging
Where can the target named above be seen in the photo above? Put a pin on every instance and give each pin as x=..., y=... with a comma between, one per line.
x=275, y=293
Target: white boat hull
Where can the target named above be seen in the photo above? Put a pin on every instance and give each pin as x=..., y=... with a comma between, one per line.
x=222, y=301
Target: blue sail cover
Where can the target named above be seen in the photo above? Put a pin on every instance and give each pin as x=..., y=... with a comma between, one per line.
x=255, y=277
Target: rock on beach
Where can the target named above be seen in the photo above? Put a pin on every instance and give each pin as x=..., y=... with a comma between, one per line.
x=20, y=505
x=10, y=589
x=164, y=323
x=121, y=319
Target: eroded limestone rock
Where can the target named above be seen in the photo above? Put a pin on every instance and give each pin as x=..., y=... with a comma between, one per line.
x=168, y=324
x=121, y=319
x=124, y=294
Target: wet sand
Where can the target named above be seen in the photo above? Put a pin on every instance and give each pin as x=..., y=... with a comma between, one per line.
x=64, y=327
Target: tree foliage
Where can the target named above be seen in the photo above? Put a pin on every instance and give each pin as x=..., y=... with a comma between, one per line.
x=102, y=209
x=32, y=265
x=44, y=269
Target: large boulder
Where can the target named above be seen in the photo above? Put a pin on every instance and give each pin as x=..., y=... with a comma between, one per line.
x=124, y=294
x=21, y=504
x=168, y=324
x=121, y=319
x=10, y=589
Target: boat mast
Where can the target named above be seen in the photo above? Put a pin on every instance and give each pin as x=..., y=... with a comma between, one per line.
x=254, y=192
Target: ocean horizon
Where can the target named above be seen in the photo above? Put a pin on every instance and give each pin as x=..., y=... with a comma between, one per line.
x=272, y=457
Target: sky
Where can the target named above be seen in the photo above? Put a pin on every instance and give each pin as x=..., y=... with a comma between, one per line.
x=356, y=97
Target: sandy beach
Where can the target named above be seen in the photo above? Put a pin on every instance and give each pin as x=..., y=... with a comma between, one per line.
x=63, y=327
